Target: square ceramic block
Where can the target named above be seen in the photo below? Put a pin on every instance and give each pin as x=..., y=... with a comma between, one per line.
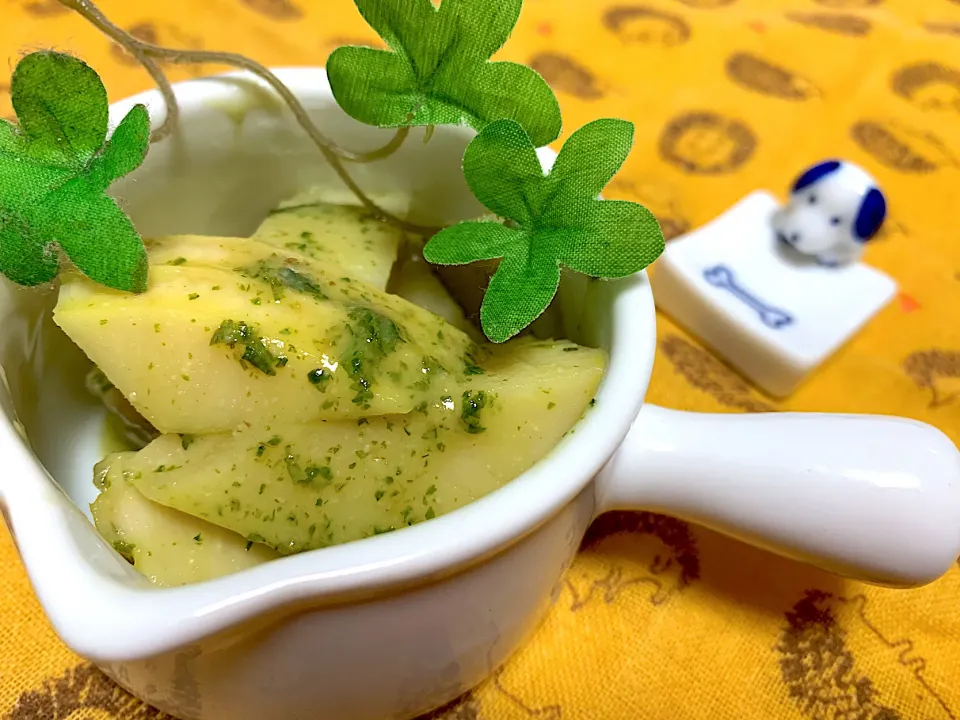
x=770, y=312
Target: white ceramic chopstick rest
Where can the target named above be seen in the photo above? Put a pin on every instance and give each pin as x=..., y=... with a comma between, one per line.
x=776, y=290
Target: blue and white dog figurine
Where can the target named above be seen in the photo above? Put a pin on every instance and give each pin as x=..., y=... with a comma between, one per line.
x=834, y=208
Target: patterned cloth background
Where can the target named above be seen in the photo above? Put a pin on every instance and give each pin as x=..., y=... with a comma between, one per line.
x=658, y=619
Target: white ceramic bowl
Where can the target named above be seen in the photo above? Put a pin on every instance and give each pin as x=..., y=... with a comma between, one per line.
x=397, y=624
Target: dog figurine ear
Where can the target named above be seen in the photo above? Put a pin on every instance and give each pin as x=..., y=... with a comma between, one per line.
x=814, y=173
x=870, y=216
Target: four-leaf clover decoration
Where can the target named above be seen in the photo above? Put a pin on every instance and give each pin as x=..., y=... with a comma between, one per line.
x=438, y=71
x=56, y=164
x=55, y=168
x=551, y=220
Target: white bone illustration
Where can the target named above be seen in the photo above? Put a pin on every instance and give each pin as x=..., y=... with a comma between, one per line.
x=721, y=276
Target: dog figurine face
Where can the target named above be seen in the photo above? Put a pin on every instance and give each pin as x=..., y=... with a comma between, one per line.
x=834, y=208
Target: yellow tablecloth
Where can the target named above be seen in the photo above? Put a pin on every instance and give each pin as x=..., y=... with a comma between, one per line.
x=658, y=619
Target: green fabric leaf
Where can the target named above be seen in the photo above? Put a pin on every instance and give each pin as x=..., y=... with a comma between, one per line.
x=607, y=144
x=438, y=71
x=61, y=107
x=24, y=268
x=612, y=239
x=95, y=234
x=394, y=20
x=559, y=220
x=8, y=137
x=55, y=167
x=376, y=95
x=504, y=311
x=503, y=171
x=125, y=151
x=470, y=241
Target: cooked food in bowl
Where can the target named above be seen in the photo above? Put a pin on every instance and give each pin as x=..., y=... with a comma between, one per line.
x=310, y=385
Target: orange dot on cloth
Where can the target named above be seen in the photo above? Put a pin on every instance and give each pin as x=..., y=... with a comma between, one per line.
x=908, y=303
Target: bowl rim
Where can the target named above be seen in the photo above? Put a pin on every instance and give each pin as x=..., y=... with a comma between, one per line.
x=113, y=618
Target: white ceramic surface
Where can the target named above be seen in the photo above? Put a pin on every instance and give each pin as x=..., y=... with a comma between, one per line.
x=394, y=625
x=772, y=313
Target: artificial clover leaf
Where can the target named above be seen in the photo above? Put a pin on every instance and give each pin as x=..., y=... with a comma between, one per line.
x=55, y=168
x=438, y=71
x=551, y=220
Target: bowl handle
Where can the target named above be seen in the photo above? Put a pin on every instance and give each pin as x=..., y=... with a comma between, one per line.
x=870, y=497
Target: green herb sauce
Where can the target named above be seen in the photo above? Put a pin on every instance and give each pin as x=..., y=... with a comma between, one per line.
x=255, y=351
x=473, y=404
x=281, y=277
x=372, y=338
x=125, y=549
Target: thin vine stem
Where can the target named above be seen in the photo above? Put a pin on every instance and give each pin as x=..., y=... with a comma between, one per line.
x=145, y=53
x=163, y=85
